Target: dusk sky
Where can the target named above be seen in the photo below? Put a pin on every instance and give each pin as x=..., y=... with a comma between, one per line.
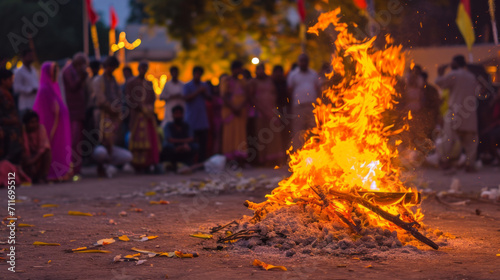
x=121, y=7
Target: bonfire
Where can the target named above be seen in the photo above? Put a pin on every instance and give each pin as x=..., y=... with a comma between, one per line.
x=346, y=173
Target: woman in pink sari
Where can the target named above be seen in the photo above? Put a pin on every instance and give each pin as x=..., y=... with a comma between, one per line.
x=54, y=116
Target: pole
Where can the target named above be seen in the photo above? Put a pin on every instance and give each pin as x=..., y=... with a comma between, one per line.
x=303, y=36
x=95, y=40
x=371, y=17
x=85, y=29
x=493, y=21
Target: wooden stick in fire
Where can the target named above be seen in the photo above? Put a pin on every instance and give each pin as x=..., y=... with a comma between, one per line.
x=388, y=216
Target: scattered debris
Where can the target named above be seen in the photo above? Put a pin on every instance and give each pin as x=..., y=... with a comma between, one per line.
x=124, y=238
x=92, y=251
x=201, y=235
x=39, y=243
x=266, y=266
x=49, y=205
x=25, y=225
x=105, y=241
x=78, y=213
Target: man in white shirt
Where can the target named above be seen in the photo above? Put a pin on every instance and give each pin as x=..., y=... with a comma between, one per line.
x=26, y=82
x=304, y=87
x=172, y=94
x=460, y=121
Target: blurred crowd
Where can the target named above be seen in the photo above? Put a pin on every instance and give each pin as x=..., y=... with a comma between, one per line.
x=457, y=126
x=54, y=121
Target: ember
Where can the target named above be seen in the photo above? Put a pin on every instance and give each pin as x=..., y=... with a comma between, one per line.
x=346, y=172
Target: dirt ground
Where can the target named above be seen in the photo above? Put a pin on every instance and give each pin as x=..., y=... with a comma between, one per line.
x=472, y=255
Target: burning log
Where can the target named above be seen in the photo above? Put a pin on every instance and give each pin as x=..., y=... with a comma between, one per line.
x=387, y=216
x=390, y=198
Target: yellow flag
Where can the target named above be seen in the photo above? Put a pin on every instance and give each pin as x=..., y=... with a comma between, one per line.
x=464, y=23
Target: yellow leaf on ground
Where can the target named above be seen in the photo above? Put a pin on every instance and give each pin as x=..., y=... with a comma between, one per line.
x=369, y=266
x=150, y=193
x=498, y=255
x=124, y=238
x=132, y=256
x=201, y=235
x=49, y=261
x=47, y=215
x=78, y=213
x=167, y=254
x=266, y=266
x=49, y=205
x=93, y=251
x=146, y=238
x=79, y=249
x=144, y=251
x=181, y=255
x=25, y=225
x=159, y=202
x=39, y=243
x=106, y=241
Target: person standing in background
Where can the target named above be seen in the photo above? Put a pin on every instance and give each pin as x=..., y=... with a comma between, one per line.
x=92, y=114
x=74, y=77
x=234, y=114
x=304, y=87
x=9, y=119
x=144, y=142
x=172, y=95
x=54, y=116
x=460, y=121
x=282, y=102
x=195, y=92
x=26, y=81
x=430, y=109
x=262, y=92
x=109, y=101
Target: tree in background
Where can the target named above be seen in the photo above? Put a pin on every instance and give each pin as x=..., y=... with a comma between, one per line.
x=214, y=32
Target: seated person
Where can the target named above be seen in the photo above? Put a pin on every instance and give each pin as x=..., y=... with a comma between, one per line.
x=6, y=163
x=106, y=162
x=179, y=145
x=37, y=156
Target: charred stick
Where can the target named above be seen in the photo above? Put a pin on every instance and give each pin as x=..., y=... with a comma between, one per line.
x=243, y=234
x=219, y=228
x=387, y=216
x=326, y=204
x=352, y=226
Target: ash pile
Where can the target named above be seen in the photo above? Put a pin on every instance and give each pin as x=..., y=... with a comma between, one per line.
x=298, y=230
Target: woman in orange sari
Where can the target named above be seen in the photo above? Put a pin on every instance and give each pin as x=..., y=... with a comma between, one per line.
x=234, y=115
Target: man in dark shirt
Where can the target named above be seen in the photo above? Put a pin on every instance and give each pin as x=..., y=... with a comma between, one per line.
x=179, y=145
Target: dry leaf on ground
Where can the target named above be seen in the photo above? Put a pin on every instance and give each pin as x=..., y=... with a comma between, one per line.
x=266, y=266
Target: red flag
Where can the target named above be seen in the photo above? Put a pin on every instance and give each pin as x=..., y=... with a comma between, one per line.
x=360, y=4
x=301, y=8
x=93, y=17
x=113, y=17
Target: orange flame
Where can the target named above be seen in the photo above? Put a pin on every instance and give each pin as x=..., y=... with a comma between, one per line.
x=349, y=150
